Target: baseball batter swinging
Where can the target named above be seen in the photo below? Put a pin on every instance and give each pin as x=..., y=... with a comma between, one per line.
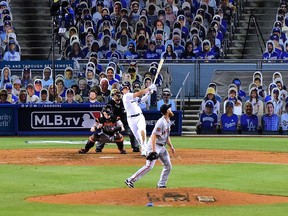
x=135, y=118
x=156, y=148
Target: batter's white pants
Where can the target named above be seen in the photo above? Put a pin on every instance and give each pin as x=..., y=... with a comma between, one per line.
x=138, y=124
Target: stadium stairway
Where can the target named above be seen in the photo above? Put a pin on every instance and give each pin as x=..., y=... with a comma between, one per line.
x=265, y=13
x=191, y=117
x=33, y=25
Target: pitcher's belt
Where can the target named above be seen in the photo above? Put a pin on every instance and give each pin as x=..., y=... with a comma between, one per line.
x=160, y=144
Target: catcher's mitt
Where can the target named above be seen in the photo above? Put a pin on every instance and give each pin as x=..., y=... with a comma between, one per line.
x=111, y=129
x=118, y=137
x=152, y=156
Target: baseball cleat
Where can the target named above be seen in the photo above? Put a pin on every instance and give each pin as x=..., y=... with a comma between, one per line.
x=161, y=186
x=123, y=152
x=98, y=150
x=82, y=151
x=136, y=150
x=129, y=183
x=143, y=153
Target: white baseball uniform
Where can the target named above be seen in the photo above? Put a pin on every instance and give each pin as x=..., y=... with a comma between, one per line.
x=162, y=131
x=135, y=118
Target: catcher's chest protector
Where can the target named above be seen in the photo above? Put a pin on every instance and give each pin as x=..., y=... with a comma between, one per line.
x=108, y=122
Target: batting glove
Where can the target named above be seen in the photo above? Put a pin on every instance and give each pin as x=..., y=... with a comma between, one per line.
x=153, y=87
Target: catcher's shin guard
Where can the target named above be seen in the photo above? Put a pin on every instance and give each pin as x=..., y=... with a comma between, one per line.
x=89, y=145
x=120, y=146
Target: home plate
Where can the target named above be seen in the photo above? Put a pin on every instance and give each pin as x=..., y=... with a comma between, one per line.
x=205, y=199
x=107, y=157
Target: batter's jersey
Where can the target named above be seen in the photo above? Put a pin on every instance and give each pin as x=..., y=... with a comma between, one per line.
x=131, y=104
x=162, y=131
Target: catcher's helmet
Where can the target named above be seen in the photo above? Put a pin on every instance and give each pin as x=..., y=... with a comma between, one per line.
x=108, y=109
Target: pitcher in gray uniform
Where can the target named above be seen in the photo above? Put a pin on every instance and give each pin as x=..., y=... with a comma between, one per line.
x=156, y=148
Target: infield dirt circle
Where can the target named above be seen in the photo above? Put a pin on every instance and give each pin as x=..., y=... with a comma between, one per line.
x=141, y=196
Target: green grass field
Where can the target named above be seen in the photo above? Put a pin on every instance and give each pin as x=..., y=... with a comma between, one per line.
x=19, y=182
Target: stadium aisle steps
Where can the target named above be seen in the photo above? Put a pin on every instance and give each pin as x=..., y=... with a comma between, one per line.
x=265, y=13
x=191, y=116
x=33, y=25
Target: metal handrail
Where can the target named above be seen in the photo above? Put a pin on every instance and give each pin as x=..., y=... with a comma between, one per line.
x=181, y=92
x=178, y=93
x=183, y=83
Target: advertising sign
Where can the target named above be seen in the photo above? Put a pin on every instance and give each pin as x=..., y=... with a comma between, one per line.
x=57, y=119
x=75, y=120
x=152, y=117
x=63, y=119
x=7, y=120
x=14, y=65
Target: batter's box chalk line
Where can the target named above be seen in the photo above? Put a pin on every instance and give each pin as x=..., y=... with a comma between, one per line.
x=69, y=142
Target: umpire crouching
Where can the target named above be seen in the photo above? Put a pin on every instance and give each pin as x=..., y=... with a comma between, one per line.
x=119, y=111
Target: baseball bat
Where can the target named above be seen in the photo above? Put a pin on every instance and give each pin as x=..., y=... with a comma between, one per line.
x=158, y=70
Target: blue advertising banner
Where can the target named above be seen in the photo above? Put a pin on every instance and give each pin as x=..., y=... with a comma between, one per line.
x=8, y=116
x=57, y=119
x=61, y=119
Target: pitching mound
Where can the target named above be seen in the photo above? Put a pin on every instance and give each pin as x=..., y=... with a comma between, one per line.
x=160, y=197
x=140, y=197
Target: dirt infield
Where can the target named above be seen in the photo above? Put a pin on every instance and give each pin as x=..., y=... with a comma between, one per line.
x=160, y=197
x=182, y=156
x=140, y=197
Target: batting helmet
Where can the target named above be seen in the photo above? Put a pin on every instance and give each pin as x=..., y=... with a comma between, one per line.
x=125, y=84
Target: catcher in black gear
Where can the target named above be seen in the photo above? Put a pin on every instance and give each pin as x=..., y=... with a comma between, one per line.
x=105, y=130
